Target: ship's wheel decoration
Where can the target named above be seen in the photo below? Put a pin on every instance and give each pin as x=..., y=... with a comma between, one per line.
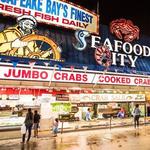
x=103, y=56
x=124, y=29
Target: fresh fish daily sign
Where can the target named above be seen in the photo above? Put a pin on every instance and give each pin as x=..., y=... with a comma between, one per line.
x=53, y=12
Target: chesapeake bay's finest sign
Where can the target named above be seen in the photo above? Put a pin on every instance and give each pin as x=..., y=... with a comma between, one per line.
x=53, y=12
x=47, y=75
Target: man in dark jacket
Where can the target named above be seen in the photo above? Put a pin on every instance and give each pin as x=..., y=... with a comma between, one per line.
x=28, y=123
x=36, y=123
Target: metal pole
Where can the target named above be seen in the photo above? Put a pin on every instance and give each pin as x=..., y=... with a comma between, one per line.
x=62, y=127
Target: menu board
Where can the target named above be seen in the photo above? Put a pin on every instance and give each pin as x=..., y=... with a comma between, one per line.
x=62, y=97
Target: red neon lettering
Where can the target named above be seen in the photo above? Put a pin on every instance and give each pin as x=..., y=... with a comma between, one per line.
x=43, y=75
x=1, y=6
x=35, y=74
x=57, y=76
x=101, y=78
x=26, y=74
x=85, y=77
x=64, y=76
x=72, y=77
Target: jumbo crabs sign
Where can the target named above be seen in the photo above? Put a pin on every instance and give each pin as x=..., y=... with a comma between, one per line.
x=49, y=75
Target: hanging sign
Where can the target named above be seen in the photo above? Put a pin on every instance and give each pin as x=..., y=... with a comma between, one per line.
x=53, y=12
x=112, y=97
x=44, y=75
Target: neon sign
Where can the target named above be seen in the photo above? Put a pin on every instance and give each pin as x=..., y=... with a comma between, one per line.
x=122, y=51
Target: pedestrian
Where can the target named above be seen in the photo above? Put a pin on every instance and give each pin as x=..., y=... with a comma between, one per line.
x=136, y=115
x=55, y=126
x=28, y=123
x=88, y=115
x=121, y=113
x=36, y=123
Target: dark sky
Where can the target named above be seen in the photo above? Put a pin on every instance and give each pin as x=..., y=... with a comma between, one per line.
x=136, y=10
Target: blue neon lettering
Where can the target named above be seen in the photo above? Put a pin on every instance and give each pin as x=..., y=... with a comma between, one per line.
x=65, y=13
x=48, y=6
x=80, y=15
x=53, y=11
x=32, y=4
x=58, y=8
x=13, y=2
x=22, y=3
x=54, y=8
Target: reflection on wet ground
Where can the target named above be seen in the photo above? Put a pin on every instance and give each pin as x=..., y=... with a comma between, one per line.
x=114, y=139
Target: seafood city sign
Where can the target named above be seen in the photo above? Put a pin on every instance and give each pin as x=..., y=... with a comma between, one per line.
x=116, y=52
x=124, y=51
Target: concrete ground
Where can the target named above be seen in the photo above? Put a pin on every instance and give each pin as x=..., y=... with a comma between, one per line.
x=126, y=138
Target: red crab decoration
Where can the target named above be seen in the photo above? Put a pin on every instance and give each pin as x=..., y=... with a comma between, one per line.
x=124, y=29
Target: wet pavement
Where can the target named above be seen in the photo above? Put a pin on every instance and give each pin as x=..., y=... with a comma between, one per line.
x=126, y=138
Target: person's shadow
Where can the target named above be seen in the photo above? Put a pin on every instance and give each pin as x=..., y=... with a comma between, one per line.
x=29, y=146
x=136, y=133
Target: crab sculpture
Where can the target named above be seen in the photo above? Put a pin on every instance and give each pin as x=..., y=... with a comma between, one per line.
x=124, y=29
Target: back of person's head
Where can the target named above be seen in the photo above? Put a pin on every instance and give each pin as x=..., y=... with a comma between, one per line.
x=56, y=119
x=29, y=110
x=35, y=111
x=88, y=109
x=137, y=105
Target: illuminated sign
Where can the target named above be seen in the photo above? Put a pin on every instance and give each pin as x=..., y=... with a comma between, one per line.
x=53, y=12
x=111, y=97
x=124, y=29
x=21, y=41
x=47, y=75
x=122, y=51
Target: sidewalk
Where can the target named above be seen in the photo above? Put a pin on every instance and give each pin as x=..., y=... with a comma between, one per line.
x=74, y=127
x=125, y=138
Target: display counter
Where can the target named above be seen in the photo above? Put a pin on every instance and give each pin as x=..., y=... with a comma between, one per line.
x=11, y=121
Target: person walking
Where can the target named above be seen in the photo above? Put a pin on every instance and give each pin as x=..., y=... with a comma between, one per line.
x=121, y=113
x=136, y=115
x=55, y=127
x=36, y=123
x=28, y=123
x=88, y=115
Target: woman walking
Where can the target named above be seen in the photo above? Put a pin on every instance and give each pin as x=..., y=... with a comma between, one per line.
x=55, y=127
x=136, y=115
x=28, y=123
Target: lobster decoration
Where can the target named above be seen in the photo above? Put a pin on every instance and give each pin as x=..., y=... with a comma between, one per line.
x=124, y=29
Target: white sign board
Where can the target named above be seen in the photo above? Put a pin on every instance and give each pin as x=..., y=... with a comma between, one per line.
x=39, y=74
x=112, y=97
x=54, y=12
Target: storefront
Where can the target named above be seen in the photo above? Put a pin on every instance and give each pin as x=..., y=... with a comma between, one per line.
x=66, y=60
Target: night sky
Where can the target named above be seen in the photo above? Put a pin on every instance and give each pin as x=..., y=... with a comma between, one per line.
x=135, y=10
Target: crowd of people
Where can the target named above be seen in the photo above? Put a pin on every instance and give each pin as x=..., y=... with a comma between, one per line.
x=32, y=121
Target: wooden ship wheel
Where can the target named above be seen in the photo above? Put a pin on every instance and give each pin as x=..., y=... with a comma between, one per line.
x=51, y=47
